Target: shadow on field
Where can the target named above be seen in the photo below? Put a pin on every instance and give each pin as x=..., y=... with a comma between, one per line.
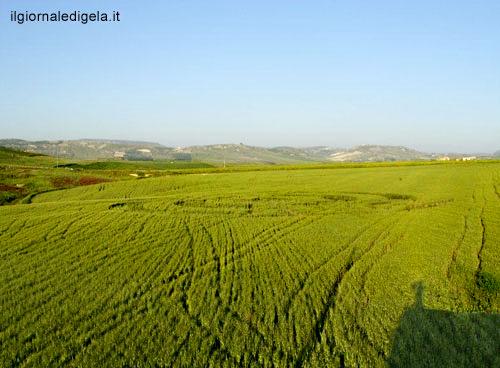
x=435, y=338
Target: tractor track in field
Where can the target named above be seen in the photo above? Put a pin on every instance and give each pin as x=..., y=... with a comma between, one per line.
x=353, y=321
x=267, y=238
x=363, y=334
x=96, y=335
x=6, y=230
x=185, y=289
x=27, y=225
x=303, y=282
x=184, y=267
x=272, y=236
x=210, y=262
x=225, y=308
x=66, y=226
x=58, y=253
x=473, y=294
x=483, y=242
x=66, y=230
x=210, y=332
x=88, y=340
x=88, y=276
x=175, y=354
x=349, y=245
x=496, y=189
x=142, y=291
x=379, y=239
x=55, y=253
x=217, y=261
x=142, y=226
x=483, y=239
x=457, y=247
x=228, y=230
x=233, y=314
x=319, y=325
x=316, y=335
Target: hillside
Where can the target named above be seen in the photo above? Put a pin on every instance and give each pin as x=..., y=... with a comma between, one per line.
x=371, y=153
x=218, y=153
x=240, y=153
x=91, y=149
x=85, y=149
x=318, y=153
x=9, y=153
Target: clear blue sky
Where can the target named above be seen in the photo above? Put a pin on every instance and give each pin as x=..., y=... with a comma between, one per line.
x=424, y=73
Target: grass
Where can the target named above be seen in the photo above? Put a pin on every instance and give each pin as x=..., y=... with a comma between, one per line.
x=7, y=153
x=136, y=165
x=23, y=175
x=308, y=266
x=436, y=338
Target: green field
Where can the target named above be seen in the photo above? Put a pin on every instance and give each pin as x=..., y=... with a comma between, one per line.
x=24, y=175
x=357, y=266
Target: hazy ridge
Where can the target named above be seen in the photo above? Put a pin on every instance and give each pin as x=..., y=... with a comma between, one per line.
x=92, y=149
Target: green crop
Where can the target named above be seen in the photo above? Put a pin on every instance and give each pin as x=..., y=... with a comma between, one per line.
x=357, y=266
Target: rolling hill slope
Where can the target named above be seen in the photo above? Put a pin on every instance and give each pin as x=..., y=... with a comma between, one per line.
x=217, y=153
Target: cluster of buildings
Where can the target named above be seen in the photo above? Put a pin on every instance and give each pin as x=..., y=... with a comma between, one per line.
x=464, y=158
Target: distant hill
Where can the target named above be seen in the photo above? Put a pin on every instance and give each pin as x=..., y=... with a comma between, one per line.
x=6, y=152
x=92, y=149
x=497, y=153
x=318, y=153
x=240, y=153
x=370, y=153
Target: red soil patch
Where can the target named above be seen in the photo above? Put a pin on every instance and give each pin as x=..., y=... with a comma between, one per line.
x=65, y=181
x=90, y=180
x=11, y=188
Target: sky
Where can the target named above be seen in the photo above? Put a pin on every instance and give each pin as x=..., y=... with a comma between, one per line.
x=424, y=74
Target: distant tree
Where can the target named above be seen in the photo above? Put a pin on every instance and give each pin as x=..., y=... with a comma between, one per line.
x=183, y=156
